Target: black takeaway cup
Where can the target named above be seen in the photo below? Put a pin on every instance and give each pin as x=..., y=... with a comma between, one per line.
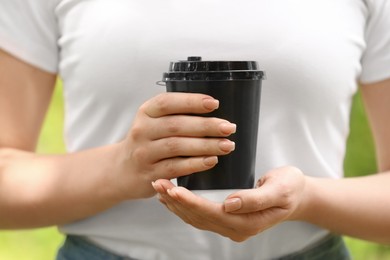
x=237, y=86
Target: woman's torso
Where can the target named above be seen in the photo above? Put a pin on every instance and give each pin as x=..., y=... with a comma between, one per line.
x=113, y=52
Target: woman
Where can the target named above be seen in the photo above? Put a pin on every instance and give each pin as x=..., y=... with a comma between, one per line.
x=126, y=140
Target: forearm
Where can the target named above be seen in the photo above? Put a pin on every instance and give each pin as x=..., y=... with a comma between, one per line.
x=38, y=190
x=55, y=189
x=357, y=207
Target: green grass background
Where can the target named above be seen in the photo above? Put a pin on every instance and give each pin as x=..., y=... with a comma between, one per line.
x=42, y=244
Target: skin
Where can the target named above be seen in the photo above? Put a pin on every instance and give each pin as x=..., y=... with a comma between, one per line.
x=357, y=207
x=41, y=190
x=140, y=165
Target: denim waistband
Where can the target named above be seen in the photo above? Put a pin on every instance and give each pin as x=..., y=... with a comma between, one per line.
x=330, y=247
x=78, y=248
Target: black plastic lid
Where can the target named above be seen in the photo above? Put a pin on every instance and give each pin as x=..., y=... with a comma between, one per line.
x=195, y=69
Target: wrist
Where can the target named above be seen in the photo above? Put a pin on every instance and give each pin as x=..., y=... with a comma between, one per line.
x=308, y=200
x=111, y=168
x=128, y=178
x=118, y=172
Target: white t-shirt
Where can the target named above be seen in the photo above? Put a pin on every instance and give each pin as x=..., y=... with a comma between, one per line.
x=109, y=55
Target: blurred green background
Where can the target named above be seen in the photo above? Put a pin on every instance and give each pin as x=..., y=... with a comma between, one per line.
x=42, y=244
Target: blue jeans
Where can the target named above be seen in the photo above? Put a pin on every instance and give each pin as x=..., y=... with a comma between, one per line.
x=331, y=247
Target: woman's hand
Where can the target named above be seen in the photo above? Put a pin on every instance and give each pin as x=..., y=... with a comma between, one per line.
x=277, y=197
x=168, y=140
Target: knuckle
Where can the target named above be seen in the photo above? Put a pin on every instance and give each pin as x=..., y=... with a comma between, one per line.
x=258, y=204
x=162, y=102
x=137, y=132
x=191, y=100
x=171, y=168
x=140, y=154
x=173, y=125
x=173, y=145
x=143, y=108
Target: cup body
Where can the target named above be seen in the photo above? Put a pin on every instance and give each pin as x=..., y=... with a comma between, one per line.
x=239, y=99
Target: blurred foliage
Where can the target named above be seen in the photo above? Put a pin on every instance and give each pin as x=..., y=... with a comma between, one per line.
x=38, y=244
x=51, y=138
x=360, y=154
x=359, y=161
x=42, y=244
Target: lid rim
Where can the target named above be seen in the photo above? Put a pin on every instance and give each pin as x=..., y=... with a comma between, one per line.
x=220, y=75
x=194, y=68
x=214, y=65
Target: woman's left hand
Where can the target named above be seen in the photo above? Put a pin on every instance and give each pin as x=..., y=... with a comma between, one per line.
x=278, y=196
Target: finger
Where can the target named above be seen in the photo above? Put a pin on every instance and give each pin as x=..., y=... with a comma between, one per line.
x=205, y=215
x=167, y=148
x=179, y=103
x=252, y=200
x=161, y=186
x=182, y=166
x=185, y=125
x=186, y=146
x=198, y=209
x=188, y=216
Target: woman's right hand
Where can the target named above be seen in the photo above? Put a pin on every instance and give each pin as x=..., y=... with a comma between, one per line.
x=164, y=142
x=168, y=139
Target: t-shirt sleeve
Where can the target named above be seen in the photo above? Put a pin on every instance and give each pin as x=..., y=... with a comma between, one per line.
x=376, y=58
x=28, y=30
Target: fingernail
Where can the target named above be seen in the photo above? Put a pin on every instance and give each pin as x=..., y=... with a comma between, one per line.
x=210, y=161
x=228, y=128
x=232, y=204
x=156, y=187
x=210, y=103
x=227, y=145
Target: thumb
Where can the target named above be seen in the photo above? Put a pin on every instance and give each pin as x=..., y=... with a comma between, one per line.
x=247, y=201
